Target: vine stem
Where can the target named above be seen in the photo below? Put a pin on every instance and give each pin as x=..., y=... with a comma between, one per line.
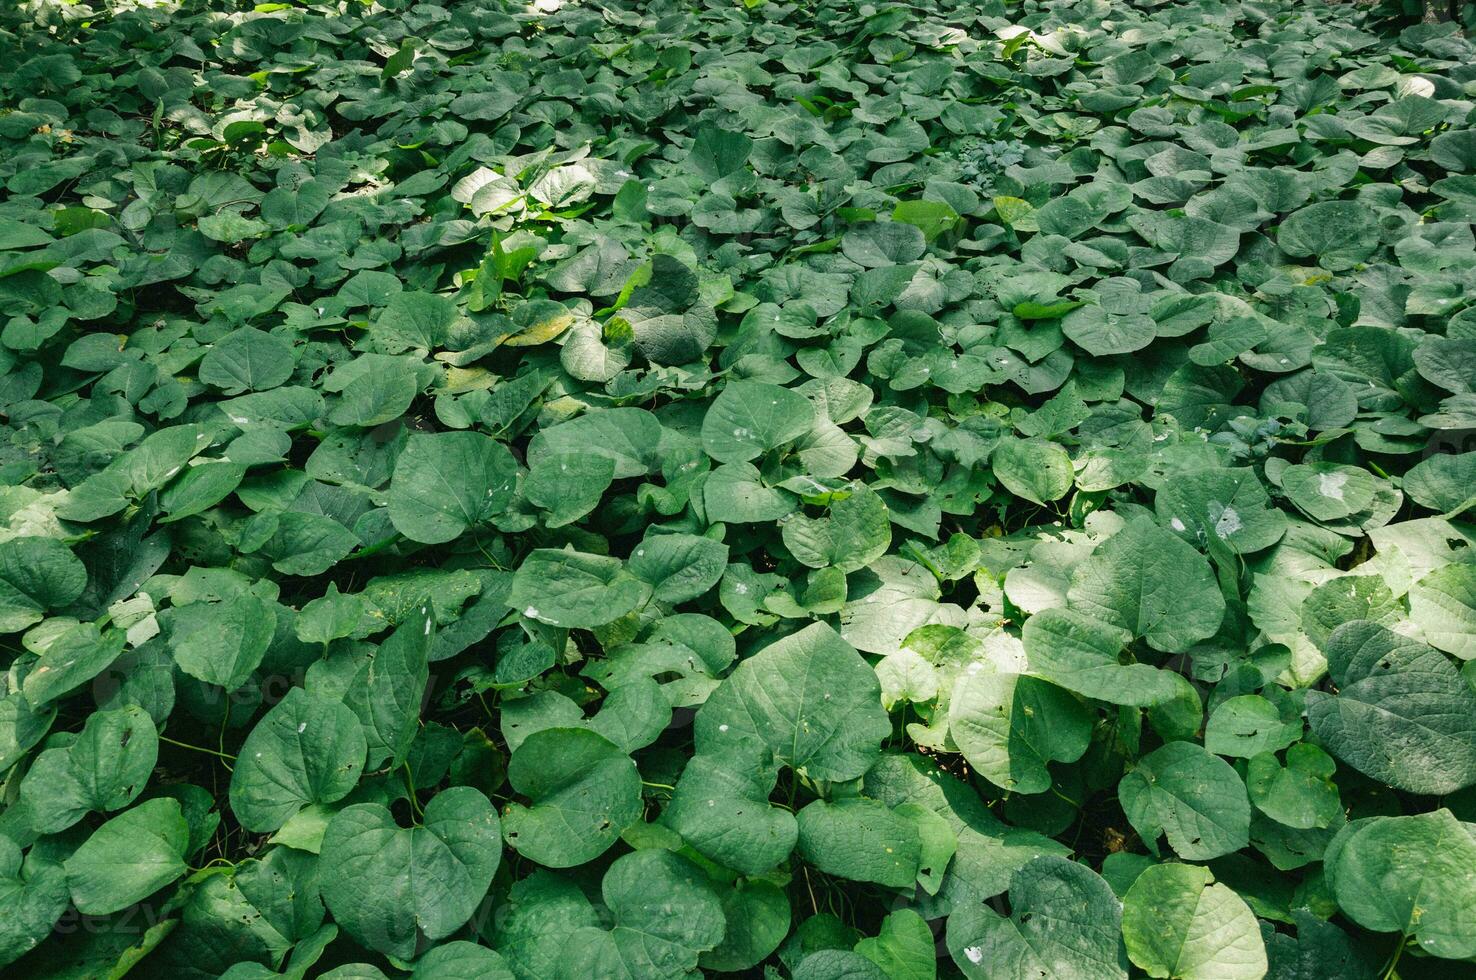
x=410, y=785
x=1398, y=952
x=1062, y=796
x=197, y=748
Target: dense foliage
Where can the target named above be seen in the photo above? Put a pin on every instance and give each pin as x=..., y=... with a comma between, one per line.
x=812, y=490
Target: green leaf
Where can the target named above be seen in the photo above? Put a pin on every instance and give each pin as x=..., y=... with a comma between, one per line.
x=838, y=964
x=1328, y=491
x=757, y=914
x=1220, y=505
x=1455, y=150
x=932, y=218
x=721, y=808
x=1401, y=715
x=582, y=792
x=679, y=567
x=629, y=437
x=1103, y=334
x=1443, y=483
x=1247, y=725
x=32, y=900
x=532, y=930
x=200, y=488
x=749, y=418
x=1178, y=922
x=573, y=590
x=1063, y=923
x=1150, y=583
x=392, y=887
x=1082, y=654
x=461, y=960
x=128, y=858
x=1319, y=949
x=329, y=617
x=716, y=153
x=854, y=533
x=103, y=770
x=307, y=749
x=809, y=699
x=1443, y=605
x=248, y=360
x=72, y=659
x=878, y=244
x=1038, y=470
x=230, y=227
x=1011, y=726
x=1302, y=794
x=379, y=394
x=21, y=727
x=887, y=601
x=1338, y=234
x=860, y=840
x=254, y=912
x=222, y=642
x=414, y=320
x=568, y=485
x=1412, y=876
x=905, y=948
x=388, y=690
x=939, y=844
x=1193, y=797
x=36, y=574
x=642, y=890
x=449, y=483
x=308, y=544
x=736, y=494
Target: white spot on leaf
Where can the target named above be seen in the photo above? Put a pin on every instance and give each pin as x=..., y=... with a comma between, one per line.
x=1228, y=523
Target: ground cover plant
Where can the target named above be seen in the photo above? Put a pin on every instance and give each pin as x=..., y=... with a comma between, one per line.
x=814, y=491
